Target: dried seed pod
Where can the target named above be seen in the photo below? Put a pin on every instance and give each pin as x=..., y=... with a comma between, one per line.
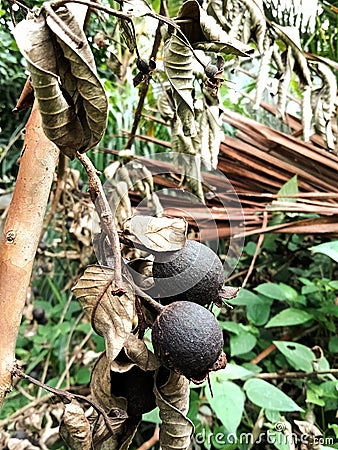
x=194, y=273
x=188, y=339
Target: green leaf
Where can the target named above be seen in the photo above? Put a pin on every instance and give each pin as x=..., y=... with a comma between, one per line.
x=289, y=188
x=333, y=344
x=258, y=313
x=267, y=396
x=334, y=284
x=245, y=297
x=258, y=308
x=328, y=248
x=299, y=356
x=314, y=395
x=227, y=402
x=289, y=317
x=152, y=416
x=232, y=327
x=272, y=290
x=233, y=372
x=242, y=343
x=82, y=376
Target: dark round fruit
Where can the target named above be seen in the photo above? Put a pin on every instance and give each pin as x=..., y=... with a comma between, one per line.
x=194, y=273
x=187, y=338
x=39, y=315
x=136, y=386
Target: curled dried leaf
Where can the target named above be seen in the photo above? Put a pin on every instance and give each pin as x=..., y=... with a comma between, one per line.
x=172, y=398
x=75, y=428
x=158, y=234
x=291, y=37
x=111, y=312
x=178, y=60
x=81, y=81
x=59, y=120
x=139, y=354
x=205, y=33
x=100, y=386
x=141, y=271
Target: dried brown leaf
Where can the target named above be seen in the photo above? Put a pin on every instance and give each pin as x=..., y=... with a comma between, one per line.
x=75, y=428
x=159, y=234
x=203, y=32
x=111, y=312
x=178, y=60
x=81, y=79
x=173, y=400
x=101, y=388
x=124, y=427
x=59, y=120
x=139, y=354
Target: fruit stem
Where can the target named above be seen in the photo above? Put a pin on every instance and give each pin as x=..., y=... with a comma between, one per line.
x=147, y=300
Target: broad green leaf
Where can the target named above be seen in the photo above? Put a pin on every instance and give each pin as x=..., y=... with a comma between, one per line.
x=82, y=375
x=267, y=396
x=258, y=313
x=334, y=284
x=289, y=317
x=328, y=248
x=227, y=402
x=233, y=372
x=232, y=327
x=272, y=290
x=299, y=356
x=242, y=343
x=245, y=297
x=258, y=308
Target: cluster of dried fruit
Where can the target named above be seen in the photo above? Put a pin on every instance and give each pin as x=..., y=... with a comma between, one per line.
x=129, y=379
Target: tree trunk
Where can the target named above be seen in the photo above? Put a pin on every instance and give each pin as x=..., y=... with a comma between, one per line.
x=21, y=236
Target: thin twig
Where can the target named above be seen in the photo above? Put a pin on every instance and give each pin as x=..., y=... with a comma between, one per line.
x=145, y=86
x=100, y=201
x=293, y=375
x=258, y=247
x=12, y=141
x=64, y=395
x=145, y=298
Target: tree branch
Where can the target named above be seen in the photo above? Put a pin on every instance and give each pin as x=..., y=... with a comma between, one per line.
x=100, y=201
x=293, y=375
x=21, y=237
